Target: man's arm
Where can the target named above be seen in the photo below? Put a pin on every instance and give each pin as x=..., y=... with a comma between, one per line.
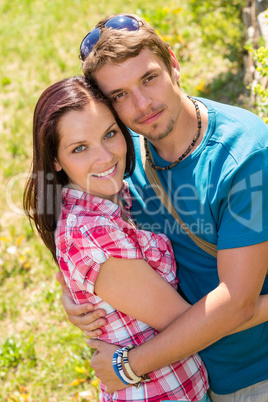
x=232, y=303
x=241, y=273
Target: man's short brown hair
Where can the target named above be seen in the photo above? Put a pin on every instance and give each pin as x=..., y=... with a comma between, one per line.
x=116, y=46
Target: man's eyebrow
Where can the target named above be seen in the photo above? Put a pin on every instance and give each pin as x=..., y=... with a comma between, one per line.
x=149, y=72
x=116, y=91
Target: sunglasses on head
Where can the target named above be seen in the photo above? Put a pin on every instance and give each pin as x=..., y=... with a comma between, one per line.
x=119, y=22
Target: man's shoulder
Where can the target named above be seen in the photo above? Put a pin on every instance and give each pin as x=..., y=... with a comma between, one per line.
x=234, y=114
x=239, y=131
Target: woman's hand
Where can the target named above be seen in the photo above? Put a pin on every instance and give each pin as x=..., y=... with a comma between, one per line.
x=83, y=316
x=102, y=363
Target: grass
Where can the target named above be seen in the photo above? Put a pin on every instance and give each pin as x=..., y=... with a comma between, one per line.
x=43, y=357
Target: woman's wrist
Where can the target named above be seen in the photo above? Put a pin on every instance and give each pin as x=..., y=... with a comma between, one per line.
x=134, y=362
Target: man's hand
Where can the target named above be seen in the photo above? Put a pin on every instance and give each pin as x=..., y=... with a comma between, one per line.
x=83, y=316
x=102, y=363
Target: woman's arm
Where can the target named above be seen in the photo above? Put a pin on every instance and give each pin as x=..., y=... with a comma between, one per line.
x=133, y=287
x=90, y=321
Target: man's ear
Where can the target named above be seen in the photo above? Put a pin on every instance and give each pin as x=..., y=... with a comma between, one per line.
x=57, y=166
x=175, y=65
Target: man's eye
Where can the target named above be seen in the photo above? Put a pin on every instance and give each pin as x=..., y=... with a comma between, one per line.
x=119, y=96
x=79, y=149
x=150, y=78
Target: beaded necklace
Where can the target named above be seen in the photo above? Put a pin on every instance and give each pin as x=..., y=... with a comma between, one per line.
x=147, y=149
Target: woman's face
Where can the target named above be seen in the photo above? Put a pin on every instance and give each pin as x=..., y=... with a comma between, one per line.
x=92, y=150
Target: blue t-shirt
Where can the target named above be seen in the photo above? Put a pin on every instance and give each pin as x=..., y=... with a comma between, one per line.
x=220, y=191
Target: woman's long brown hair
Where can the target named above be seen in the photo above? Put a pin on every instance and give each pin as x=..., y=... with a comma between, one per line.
x=42, y=194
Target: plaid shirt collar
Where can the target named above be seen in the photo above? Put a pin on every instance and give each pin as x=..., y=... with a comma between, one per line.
x=93, y=203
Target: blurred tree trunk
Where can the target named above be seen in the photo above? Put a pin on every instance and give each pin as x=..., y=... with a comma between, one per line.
x=256, y=23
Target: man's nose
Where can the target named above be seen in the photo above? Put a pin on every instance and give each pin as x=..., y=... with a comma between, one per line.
x=142, y=100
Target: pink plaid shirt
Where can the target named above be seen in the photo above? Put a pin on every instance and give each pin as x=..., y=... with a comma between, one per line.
x=89, y=231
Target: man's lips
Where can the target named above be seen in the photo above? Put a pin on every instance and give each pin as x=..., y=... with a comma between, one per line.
x=150, y=118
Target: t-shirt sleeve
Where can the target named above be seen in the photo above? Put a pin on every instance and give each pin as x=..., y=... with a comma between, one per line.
x=92, y=245
x=243, y=212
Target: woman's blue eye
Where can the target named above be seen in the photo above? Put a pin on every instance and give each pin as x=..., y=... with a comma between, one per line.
x=79, y=149
x=110, y=134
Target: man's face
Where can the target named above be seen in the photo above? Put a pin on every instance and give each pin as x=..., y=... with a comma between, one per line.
x=145, y=96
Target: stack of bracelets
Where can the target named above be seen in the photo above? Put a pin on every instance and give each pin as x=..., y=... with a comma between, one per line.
x=132, y=379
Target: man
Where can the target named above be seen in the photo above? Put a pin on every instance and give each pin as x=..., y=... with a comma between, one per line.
x=212, y=161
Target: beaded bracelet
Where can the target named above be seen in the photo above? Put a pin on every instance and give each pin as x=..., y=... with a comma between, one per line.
x=129, y=370
x=131, y=374
x=118, y=368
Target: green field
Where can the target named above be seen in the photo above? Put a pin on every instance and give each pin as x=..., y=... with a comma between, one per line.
x=42, y=357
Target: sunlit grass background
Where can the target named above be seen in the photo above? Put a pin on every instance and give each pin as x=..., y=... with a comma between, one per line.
x=43, y=357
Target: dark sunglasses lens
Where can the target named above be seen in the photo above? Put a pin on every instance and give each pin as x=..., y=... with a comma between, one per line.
x=87, y=44
x=121, y=22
